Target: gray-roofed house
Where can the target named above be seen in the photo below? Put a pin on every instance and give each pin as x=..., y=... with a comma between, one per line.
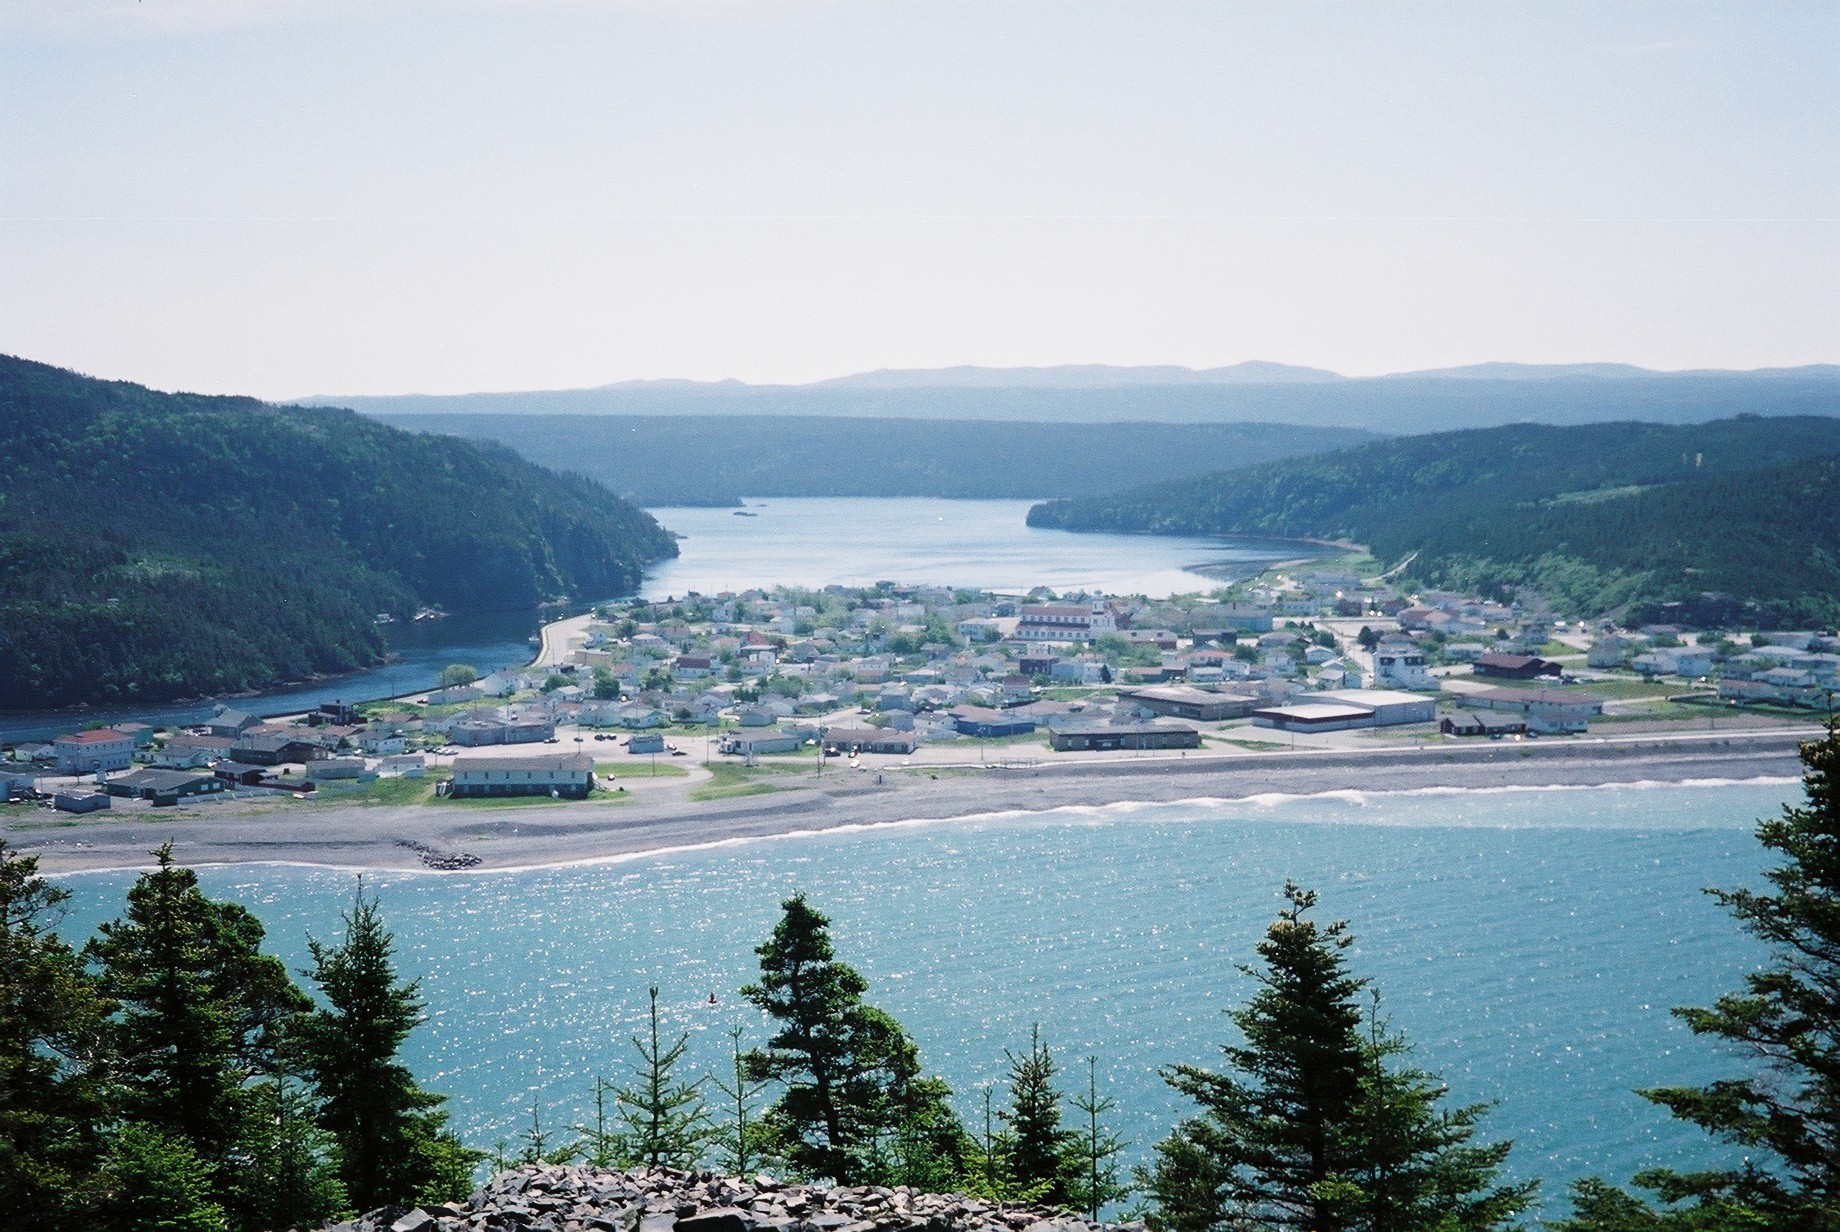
x=568, y=776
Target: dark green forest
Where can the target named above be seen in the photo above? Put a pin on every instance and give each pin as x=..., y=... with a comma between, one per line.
x=158, y=545
x=715, y=460
x=1648, y=518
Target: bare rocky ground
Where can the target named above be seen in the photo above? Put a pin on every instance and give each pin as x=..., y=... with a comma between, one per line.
x=573, y=1198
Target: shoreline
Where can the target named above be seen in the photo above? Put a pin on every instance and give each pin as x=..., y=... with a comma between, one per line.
x=369, y=836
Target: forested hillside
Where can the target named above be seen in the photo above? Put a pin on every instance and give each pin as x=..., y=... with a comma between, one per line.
x=165, y=545
x=1594, y=516
x=714, y=460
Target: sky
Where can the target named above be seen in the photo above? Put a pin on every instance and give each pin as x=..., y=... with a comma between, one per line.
x=285, y=198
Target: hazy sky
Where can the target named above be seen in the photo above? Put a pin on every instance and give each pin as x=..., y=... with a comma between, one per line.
x=386, y=196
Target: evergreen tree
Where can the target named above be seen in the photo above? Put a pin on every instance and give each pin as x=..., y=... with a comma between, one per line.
x=155, y=1182
x=740, y=1140
x=599, y=1142
x=1417, y=1167
x=201, y=1015
x=1042, y=1154
x=1099, y=1181
x=1786, y=1116
x=394, y=1147
x=52, y=1055
x=293, y=1181
x=1310, y=1128
x=855, y=1106
x=666, y=1124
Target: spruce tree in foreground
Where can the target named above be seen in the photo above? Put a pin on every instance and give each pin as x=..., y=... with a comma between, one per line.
x=1309, y=1128
x=52, y=1055
x=1786, y=1115
x=202, y=1013
x=1042, y=1158
x=666, y=1124
x=393, y=1144
x=1097, y=1149
x=856, y=1108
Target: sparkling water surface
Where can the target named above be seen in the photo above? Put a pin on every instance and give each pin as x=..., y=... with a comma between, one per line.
x=1530, y=942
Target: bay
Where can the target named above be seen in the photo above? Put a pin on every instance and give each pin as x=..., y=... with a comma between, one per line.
x=1530, y=942
x=852, y=541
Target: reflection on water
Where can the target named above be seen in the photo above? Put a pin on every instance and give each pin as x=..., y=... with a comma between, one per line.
x=849, y=541
x=1529, y=942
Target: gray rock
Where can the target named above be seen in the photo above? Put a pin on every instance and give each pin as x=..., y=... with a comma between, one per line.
x=721, y=1219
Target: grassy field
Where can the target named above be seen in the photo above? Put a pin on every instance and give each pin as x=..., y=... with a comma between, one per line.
x=379, y=791
x=1626, y=690
x=640, y=768
x=727, y=781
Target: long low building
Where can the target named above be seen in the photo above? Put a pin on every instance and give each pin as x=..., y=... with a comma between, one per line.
x=847, y=741
x=1347, y=709
x=1391, y=707
x=1536, y=701
x=158, y=785
x=1108, y=737
x=570, y=776
x=1187, y=702
x=768, y=740
x=1314, y=717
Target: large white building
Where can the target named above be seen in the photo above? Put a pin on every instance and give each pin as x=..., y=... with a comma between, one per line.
x=1065, y=622
x=570, y=775
x=1399, y=663
x=87, y=751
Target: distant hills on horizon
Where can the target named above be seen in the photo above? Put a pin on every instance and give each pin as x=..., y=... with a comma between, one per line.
x=1474, y=396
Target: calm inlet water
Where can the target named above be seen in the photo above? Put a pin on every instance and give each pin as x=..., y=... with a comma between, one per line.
x=1530, y=942
x=984, y=543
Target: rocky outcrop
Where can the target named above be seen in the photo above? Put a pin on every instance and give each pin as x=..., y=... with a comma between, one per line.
x=569, y=1198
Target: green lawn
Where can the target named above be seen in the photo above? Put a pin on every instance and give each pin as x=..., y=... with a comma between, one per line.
x=379, y=791
x=641, y=767
x=728, y=781
x=1627, y=690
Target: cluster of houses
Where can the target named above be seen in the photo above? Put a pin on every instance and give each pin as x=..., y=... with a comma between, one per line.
x=888, y=669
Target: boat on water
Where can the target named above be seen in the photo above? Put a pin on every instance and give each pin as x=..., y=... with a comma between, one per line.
x=384, y=618
x=746, y=513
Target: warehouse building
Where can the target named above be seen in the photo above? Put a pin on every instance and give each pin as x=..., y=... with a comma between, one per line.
x=1109, y=737
x=1186, y=702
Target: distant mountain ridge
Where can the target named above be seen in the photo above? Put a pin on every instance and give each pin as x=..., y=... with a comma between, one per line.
x=1595, y=517
x=159, y=545
x=1478, y=396
x=716, y=460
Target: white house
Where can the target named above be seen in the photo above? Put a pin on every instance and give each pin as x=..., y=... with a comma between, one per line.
x=1399, y=663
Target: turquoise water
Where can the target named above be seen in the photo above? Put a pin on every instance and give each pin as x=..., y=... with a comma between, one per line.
x=1530, y=942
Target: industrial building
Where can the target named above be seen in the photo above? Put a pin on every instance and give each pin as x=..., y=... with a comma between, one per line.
x=1187, y=702
x=1107, y=737
x=1347, y=709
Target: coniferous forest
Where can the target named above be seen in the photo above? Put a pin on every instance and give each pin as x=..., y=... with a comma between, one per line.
x=170, y=1075
x=1649, y=519
x=155, y=545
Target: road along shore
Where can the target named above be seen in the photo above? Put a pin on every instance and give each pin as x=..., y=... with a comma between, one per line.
x=360, y=836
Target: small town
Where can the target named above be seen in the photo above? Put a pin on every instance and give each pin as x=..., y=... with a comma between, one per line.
x=749, y=688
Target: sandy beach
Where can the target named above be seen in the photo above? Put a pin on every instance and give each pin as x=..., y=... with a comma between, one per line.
x=662, y=816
